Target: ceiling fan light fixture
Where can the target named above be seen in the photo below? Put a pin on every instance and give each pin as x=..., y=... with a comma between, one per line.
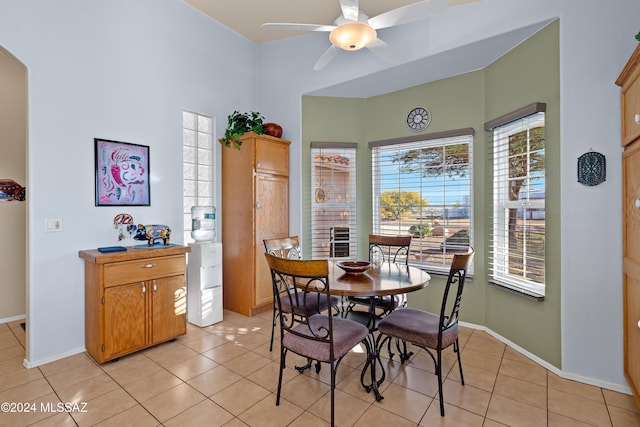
x=352, y=36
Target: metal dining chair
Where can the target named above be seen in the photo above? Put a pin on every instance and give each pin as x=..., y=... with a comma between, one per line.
x=391, y=249
x=289, y=248
x=323, y=337
x=429, y=331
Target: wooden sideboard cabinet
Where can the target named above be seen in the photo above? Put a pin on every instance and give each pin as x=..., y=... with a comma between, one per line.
x=255, y=206
x=133, y=299
x=629, y=81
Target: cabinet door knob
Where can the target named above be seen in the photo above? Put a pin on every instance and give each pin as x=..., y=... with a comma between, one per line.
x=637, y=203
x=144, y=289
x=638, y=323
x=155, y=287
x=637, y=118
x=148, y=266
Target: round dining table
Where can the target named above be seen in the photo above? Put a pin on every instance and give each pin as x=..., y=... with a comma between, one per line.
x=380, y=279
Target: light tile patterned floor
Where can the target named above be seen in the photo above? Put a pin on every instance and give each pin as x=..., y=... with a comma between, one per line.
x=224, y=375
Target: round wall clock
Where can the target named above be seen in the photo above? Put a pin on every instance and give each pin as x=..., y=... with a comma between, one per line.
x=418, y=119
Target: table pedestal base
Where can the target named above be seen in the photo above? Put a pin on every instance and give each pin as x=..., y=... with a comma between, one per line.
x=373, y=360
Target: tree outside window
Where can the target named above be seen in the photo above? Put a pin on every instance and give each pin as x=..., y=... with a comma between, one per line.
x=423, y=188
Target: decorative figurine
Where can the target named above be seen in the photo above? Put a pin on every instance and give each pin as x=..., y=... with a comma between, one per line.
x=151, y=233
x=120, y=221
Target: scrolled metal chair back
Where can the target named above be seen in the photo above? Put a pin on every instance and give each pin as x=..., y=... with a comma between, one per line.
x=303, y=279
x=392, y=249
x=457, y=276
x=286, y=247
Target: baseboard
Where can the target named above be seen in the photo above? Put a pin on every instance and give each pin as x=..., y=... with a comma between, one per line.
x=29, y=364
x=586, y=380
x=13, y=318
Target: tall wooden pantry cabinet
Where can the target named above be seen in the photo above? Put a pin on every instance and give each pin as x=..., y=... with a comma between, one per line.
x=255, y=206
x=629, y=81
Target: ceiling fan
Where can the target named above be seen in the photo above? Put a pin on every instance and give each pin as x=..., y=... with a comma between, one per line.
x=354, y=30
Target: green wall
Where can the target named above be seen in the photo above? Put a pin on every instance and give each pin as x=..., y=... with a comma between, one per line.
x=327, y=119
x=454, y=103
x=529, y=73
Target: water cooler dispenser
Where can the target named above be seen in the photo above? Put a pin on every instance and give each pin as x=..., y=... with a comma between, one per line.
x=204, y=270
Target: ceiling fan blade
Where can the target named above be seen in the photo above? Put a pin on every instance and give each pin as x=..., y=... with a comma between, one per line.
x=384, y=51
x=297, y=27
x=350, y=9
x=410, y=13
x=326, y=57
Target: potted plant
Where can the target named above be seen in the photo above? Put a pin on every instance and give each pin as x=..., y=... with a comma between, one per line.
x=240, y=123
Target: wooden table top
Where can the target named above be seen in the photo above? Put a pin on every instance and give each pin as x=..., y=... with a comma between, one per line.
x=132, y=253
x=378, y=280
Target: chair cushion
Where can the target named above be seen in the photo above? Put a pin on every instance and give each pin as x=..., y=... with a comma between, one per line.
x=314, y=304
x=418, y=327
x=346, y=335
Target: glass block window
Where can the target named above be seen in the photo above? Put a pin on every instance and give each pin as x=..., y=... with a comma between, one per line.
x=197, y=161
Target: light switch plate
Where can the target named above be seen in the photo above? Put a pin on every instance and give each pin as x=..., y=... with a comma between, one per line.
x=53, y=224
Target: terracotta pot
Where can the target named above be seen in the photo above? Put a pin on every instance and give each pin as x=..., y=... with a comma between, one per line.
x=273, y=129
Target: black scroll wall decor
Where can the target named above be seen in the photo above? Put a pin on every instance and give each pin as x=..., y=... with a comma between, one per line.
x=592, y=168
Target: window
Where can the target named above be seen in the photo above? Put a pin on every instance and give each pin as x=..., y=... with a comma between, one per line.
x=197, y=163
x=518, y=231
x=333, y=200
x=423, y=187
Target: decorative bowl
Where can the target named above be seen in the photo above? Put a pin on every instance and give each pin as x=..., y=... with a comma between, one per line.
x=354, y=267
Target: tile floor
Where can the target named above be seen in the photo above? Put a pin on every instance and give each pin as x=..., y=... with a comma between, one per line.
x=224, y=375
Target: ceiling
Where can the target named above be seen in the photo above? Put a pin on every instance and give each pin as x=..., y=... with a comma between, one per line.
x=474, y=56
x=245, y=16
x=471, y=57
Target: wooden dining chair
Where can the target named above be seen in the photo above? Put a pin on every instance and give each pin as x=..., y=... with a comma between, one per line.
x=289, y=248
x=323, y=337
x=429, y=331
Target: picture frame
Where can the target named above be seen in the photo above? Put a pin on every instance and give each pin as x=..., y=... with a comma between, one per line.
x=121, y=173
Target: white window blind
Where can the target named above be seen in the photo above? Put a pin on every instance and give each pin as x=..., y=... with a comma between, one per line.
x=197, y=161
x=517, y=253
x=333, y=200
x=423, y=187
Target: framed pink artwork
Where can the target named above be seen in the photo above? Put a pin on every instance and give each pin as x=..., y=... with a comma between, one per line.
x=122, y=174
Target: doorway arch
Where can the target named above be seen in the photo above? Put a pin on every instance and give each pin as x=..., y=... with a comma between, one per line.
x=13, y=165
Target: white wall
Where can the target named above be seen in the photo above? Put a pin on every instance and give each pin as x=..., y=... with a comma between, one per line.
x=596, y=39
x=121, y=70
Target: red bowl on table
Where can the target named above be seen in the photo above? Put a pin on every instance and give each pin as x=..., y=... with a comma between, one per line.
x=354, y=267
